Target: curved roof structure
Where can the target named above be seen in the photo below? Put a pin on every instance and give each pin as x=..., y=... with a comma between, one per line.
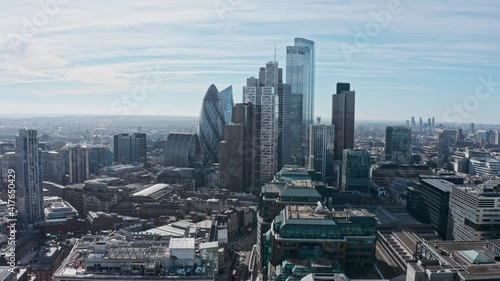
x=211, y=128
x=182, y=150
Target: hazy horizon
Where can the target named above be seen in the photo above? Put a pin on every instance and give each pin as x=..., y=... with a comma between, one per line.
x=195, y=118
x=403, y=58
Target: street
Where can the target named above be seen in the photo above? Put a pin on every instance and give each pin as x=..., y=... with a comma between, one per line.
x=243, y=245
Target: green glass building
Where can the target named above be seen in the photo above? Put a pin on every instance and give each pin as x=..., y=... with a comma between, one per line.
x=398, y=144
x=356, y=170
x=305, y=239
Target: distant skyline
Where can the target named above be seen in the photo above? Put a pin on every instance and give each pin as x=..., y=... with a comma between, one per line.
x=159, y=57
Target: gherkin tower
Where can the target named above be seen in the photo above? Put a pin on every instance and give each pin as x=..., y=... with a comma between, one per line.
x=211, y=127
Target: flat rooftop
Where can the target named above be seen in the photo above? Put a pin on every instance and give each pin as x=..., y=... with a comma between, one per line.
x=359, y=213
x=181, y=243
x=293, y=169
x=443, y=185
x=305, y=212
x=470, y=259
x=301, y=183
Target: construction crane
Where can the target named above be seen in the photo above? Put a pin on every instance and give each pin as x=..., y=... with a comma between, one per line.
x=195, y=125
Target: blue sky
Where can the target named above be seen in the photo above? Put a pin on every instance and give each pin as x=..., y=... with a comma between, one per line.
x=422, y=58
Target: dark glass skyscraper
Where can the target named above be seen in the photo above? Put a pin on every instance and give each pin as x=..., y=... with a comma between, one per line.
x=236, y=151
x=343, y=119
x=226, y=97
x=300, y=75
x=321, y=151
x=356, y=170
x=445, y=147
x=398, y=144
x=211, y=127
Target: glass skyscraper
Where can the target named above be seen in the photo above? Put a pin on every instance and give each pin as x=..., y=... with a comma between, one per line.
x=343, y=108
x=321, y=151
x=211, y=127
x=445, y=147
x=269, y=138
x=300, y=75
x=356, y=170
x=398, y=144
x=226, y=97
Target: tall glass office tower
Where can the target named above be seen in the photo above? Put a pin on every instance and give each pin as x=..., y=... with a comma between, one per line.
x=271, y=130
x=398, y=144
x=343, y=107
x=300, y=75
x=211, y=128
x=29, y=177
x=356, y=170
x=321, y=151
x=226, y=96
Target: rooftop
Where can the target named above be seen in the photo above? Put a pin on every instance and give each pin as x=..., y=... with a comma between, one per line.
x=156, y=188
x=441, y=184
x=166, y=230
x=301, y=183
x=209, y=245
x=490, y=188
x=306, y=212
x=119, y=258
x=181, y=243
x=293, y=169
x=470, y=259
x=485, y=160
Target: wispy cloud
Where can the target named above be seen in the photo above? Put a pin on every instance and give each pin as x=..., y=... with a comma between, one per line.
x=99, y=50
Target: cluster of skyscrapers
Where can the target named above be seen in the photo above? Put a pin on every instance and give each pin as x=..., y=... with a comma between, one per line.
x=421, y=126
x=270, y=129
x=302, y=170
x=274, y=126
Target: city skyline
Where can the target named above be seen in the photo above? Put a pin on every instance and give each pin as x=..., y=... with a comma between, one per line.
x=180, y=54
x=250, y=140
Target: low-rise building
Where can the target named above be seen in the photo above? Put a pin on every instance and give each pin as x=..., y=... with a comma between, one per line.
x=304, y=240
x=153, y=193
x=489, y=167
x=455, y=260
x=474, y=212
x=428, y=201
x=117, y=258
x=385, y=174
x=46, y=262
x=56, y=208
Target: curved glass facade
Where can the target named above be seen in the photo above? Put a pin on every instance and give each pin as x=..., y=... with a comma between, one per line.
x=226, y=96
x=211, y=127
x=182, y=150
